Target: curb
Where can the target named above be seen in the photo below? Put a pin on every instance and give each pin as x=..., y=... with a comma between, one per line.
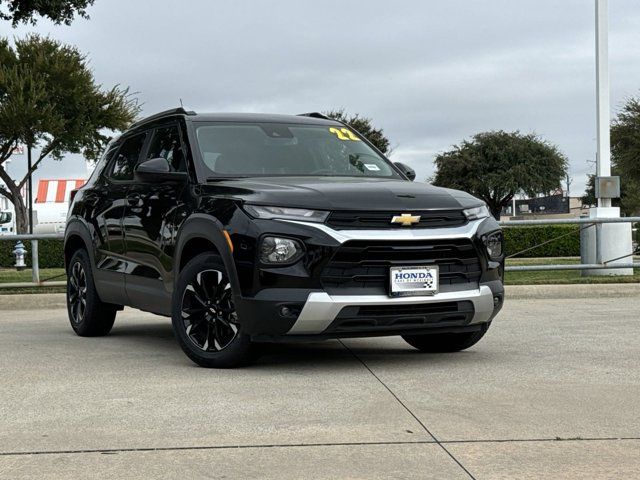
x=42, y=301
x=33, y=301
x=590, y=290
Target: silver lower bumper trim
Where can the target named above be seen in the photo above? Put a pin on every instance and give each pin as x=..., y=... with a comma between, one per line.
x=321, y=308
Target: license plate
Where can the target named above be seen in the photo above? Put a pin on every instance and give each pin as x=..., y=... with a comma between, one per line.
x=413, y=281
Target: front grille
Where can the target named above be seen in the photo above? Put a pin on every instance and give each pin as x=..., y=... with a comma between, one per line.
x=357, y=220
x=363, y=266
x=391, y=317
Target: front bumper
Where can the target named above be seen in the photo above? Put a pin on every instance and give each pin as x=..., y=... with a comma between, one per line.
x=320, y=315
x=322, y=309
x=317, y=308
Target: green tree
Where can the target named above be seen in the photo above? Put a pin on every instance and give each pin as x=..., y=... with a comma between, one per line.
x=589, y=198
x=50, y=100
x=625, y=139
x=495, y=165
x=364, y=126
x=625, y=159
x=58, y=11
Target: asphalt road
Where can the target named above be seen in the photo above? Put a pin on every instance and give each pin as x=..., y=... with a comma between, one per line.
x=551, y=392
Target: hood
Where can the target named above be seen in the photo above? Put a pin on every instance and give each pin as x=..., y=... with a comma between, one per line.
x=340, y=193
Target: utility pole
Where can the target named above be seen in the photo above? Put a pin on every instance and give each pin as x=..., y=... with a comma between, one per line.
x=30, y=187
x=610, y=243
x=603, y=158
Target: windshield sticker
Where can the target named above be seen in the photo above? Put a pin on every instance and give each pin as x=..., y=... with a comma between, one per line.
x=372, y=167
x=344, y=134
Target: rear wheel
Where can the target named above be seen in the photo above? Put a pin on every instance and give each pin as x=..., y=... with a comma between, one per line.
x=204, y=317
x=445, y=342
x=89, y=316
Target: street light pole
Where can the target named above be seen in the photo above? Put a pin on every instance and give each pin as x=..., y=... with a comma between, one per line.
x=603, y=159
x=30, y=188
x=604, y=244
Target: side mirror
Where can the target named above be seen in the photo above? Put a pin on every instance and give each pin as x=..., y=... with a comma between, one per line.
x=157, y=170
x=409, y=172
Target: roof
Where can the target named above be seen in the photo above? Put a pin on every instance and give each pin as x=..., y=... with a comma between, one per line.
x=306, y=119
x=262, y=118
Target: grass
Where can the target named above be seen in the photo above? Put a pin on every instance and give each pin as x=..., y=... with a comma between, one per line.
x=13, y=276
x=560, y=276
x=511, y=278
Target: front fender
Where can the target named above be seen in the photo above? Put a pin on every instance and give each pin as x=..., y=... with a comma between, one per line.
x=77, y=227
x=207, y=227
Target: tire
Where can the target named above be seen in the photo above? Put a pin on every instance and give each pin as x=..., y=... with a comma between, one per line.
x=204, y=318
x=89, y=316
x=445, y=342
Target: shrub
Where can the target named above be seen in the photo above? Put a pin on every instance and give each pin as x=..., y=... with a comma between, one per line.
x=51, y=253
x=520, y=238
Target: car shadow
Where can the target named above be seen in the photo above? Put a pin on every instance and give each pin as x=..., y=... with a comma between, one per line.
x=333, y=351
x=158, y=336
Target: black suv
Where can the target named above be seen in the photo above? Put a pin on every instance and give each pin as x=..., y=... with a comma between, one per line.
x=250, y=228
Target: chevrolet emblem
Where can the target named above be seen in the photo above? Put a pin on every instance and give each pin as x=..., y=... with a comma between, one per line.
x=406, y=219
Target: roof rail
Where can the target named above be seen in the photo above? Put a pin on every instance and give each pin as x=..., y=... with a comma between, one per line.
x=165, y=113
x=314, y=115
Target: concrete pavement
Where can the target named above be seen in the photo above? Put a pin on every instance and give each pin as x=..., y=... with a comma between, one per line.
x=551, y=392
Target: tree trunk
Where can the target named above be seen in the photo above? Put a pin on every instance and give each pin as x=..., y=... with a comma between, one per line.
x=495, y=209
x=22, y=217
x=21, y=211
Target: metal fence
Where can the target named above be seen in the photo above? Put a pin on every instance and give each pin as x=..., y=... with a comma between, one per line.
x=600, y=264
x=36, y=281
x=35, y=262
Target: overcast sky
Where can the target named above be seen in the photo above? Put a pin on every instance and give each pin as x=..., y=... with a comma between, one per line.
x=431, y=73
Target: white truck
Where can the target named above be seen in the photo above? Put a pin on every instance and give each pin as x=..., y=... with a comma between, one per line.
x=7, y=222
x=7, y=217
x=50, y=205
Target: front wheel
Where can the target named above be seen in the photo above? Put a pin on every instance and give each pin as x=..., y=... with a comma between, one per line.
x=204, y=317
x=89, y=316
x=445, y=342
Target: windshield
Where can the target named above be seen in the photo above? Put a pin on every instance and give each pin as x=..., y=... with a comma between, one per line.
x=264, y=149
x=5, y=217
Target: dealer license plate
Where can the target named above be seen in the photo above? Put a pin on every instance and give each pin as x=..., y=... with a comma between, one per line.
x=413, y=281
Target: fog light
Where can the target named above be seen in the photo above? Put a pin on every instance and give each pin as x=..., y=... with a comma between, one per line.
x=289, y=311
x=493, y=242
x=276, y=250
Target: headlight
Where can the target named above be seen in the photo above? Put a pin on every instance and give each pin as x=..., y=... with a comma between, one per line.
x=476, y=212
x=494, y=242
x=276, y=250
x=286, y=213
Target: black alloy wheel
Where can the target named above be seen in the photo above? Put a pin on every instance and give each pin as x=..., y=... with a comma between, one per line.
x=209, y=316
x=89, y=316
x=204, y=317
x=77, y=291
